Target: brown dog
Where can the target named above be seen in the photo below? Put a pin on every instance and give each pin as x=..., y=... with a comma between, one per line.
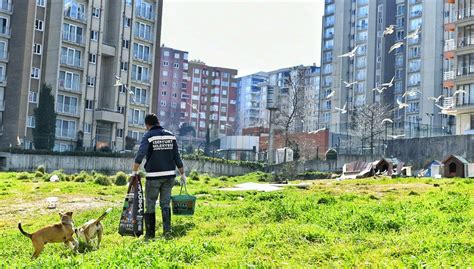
x=57, y=233
x=92, y=229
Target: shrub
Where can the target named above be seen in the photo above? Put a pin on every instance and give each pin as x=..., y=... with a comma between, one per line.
x=38, y=174
x=40, y=169
x=314, y=175
x=60, y=174
x=121, y=179
x=194, y=175
x=223, y=178
x=102, y=180
x=23, y=175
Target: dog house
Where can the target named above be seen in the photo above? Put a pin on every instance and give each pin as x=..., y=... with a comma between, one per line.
x=455, y=166
x=387, y=165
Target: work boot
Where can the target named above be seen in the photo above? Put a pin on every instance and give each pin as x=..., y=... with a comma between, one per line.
x=166, y=216
x=150, y=221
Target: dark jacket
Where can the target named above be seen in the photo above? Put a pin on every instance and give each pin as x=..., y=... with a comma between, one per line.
x=161, y=151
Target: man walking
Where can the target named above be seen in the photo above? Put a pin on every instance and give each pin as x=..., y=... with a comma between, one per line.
x=162, y=157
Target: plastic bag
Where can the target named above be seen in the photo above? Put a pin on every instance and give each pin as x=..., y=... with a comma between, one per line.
x=131, y=221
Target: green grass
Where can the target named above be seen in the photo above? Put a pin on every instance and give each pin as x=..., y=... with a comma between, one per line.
x=383, y=222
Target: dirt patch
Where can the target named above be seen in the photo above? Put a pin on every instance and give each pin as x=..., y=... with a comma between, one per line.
x=23, y=209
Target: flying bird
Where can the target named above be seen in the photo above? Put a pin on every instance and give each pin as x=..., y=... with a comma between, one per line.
x=387, y=120
x=446, y=109
x=414, y=34
x=395, y=46
x=401, y=105
x=411, y=92
x=389, y=30
x=343, y=110
x=397, y=136
x=317, y=131
x=349, y=84
x=379, y=90
x=436, y=99
x=388, y=84
x=350, y=54
x=331, y=94
x=458, y=92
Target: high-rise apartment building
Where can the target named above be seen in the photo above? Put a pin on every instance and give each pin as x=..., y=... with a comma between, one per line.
x=172, y=88
x=251, y=102
x=213, y=100
x=459, y=63
x=411, y=68
x=79, y=47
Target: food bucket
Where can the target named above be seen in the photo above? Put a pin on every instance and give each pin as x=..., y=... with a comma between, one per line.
x=183, y=204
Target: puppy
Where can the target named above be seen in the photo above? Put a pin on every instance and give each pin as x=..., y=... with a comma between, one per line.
x=92, y=229
x=57, y=233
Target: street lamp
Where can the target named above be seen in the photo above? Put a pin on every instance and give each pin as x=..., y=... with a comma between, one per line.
x=118, y=83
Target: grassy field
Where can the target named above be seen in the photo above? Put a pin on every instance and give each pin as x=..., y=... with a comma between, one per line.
x=384, y=222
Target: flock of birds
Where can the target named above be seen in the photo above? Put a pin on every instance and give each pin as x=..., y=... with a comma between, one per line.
x=384, y=86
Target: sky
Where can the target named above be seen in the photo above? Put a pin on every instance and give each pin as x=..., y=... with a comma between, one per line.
x=247, y=35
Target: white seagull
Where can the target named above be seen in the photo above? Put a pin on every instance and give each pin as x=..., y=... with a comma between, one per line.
x=343, y=110
x=389, y=84
x=397, y=136
x=401, y=105
x=331, y=94
x=349, y=84
x=458, y=92
x=387, y=120
x=350, y=54
x=379, y=90
x=436, y=99
x=446, y=110
x=395, y=46
x=414, y=34
x=317, y=131
x=389, y=30
x=411, y=92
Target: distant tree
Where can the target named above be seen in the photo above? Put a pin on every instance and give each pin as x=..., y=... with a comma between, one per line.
x=130, y=143
x=207, y=144
x=80, y=141
x=186, y=129
x=45, y=131
x=296, y=149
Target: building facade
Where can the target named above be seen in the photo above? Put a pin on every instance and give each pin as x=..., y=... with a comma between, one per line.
x=213, y=100
x=79, y=47
x=361, y=24
x=458, y=66
x=172, y=87
x=251, y=102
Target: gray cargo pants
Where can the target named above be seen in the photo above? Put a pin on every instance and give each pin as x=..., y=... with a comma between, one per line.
x=155, y=186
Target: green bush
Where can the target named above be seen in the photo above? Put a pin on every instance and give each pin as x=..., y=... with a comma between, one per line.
x=194, y=175
x=223, y=178
x=41, y=169
x=314, y=175
x=102, y=180
x=23, y=175
x=121, y=179
x=38, y=174
x=60, y=174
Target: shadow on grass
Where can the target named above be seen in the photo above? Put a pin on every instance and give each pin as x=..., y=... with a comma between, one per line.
x=181, y=229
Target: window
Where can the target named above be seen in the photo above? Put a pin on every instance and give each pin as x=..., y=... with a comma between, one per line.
x=399, y=61
x=174, y=104
x=33, y=97
x=176, y=55
x=176, y=65
x=65, y=128
x=163, y=103
x=96, y=12
x=72, y=33
x=89, y=104
x=137, y=116
x=94, y=35
x=165, y=73
x=141, y=52
x=360, y=74
x=90, y=81
x=163, y=93
x=39, y=25
x=87, y=128
x=37, y=48
x=139, y=95
x=400, y=10
x=328, y=44
x=362, y=50
x=185, y=56
x=124, y=66
x=164, y=83
x=127, y=22
x=329, y=21
x=401, y=22
x=71, y=57
x=400, y=35
x=122, y=89
x=144, y=9
x=362, y=24
x=361, y=62
x=143, y=30
x=166, y=53
x=69, y=81
x=120, y=109
x=363, y=11
x=166, y=63
x=40, y=3
x=414, y=65
x=119, y=132
x=67, y=104
x=398, y=73
x=125, y=44
x=414, y=52
x=415, y=23
x=140, y=73
x=31, y=122
x=92, y=58
x=74, y=10
x=414, y=79
x=35, y=72
x=175, y=95
x=416, y=10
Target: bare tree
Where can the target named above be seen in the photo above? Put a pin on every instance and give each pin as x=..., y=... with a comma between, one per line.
x=367, y=123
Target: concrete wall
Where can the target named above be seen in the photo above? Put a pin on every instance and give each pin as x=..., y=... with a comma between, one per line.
x=73, y=164
x=420, y=151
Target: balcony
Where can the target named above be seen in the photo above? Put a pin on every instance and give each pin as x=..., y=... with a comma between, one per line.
x=75, y=63
x=5, y=31
x=75, y=16
x=6, y=7
x=67, y=110
x=448, y=75
x=108, y=50
x=449, y=44
x=74, y=88
x=73, y=38
x=109, y=115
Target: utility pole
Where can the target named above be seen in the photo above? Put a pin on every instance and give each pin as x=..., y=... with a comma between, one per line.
x=272, y=95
